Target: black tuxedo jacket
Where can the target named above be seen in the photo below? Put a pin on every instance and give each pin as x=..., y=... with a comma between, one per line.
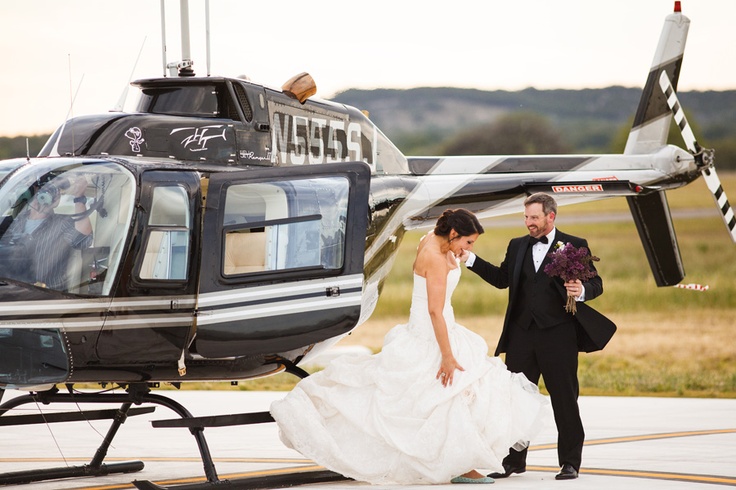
x=594, y=330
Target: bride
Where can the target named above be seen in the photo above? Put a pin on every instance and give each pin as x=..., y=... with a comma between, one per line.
x=432, y=405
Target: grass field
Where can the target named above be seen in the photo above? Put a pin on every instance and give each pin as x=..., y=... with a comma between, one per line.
x=670, y=341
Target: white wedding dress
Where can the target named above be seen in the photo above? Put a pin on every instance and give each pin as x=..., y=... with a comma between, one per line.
x=386, y=419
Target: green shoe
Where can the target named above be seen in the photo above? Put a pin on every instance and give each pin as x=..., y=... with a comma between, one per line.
x=465, y=479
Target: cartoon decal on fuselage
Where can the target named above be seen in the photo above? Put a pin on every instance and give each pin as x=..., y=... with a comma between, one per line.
x=135, y=135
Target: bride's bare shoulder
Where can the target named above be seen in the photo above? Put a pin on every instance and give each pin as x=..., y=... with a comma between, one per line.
x=425, y=239
x=429, y=257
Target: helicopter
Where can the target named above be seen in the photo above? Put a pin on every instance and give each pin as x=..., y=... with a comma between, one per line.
x=226, y=231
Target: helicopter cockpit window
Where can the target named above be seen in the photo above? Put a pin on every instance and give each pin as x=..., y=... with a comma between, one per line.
x=212, y=100
x=167, y=246
x=8, y=166
x=285, y=225
x=63, y=224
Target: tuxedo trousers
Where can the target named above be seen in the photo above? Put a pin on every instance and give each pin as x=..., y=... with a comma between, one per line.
x=553, y=354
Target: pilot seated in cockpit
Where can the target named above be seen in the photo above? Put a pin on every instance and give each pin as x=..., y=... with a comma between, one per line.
x=42, y=240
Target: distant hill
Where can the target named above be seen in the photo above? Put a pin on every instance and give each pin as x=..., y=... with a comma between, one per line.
x=588, y=118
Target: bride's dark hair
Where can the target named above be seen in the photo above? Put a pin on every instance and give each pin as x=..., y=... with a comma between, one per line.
x=461, y=220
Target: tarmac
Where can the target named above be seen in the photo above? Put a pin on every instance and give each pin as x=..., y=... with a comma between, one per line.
x=651, y=443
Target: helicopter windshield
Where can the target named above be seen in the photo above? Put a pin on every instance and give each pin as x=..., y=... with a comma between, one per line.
x=8, y=166
x=62, y=224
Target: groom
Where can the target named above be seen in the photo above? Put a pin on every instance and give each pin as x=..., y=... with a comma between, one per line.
x=539, y=336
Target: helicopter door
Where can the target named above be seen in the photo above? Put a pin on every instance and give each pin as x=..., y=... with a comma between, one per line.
x=282, y=259
x=153, y=314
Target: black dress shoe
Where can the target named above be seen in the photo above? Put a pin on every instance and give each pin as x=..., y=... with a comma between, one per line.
x=567, y=472
x=508, y=470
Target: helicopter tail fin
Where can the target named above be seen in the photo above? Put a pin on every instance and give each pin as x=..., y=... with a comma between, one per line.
x=649, y=132
x=652, y=121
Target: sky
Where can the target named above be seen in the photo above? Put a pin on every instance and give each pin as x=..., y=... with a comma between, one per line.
x=66, y=58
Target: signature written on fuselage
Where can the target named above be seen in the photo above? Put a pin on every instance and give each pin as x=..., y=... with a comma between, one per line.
x=196, y=139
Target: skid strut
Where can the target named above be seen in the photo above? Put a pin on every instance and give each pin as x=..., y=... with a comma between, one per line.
x=95, y=467
x=137, y=394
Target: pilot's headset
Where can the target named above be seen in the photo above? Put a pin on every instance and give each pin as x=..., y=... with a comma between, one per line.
x=48, y=195
x=50, y=191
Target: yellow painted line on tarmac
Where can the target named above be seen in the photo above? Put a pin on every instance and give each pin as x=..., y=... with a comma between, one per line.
x=645, y=437
x=279, y=471
x=122, y=486
x=305, y=466
x=655, y=475
x=660, y=475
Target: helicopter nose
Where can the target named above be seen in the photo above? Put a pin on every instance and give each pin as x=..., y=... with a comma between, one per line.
x=39, y=352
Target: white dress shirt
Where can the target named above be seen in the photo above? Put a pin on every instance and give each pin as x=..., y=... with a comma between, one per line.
x=539, y=249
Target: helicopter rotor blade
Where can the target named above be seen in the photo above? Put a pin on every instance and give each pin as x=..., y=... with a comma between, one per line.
x=703, y=157
x=715, y=187
x=679, y=114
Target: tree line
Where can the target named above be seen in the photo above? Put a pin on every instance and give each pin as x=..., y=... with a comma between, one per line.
x=22, y=146
x=453, y=121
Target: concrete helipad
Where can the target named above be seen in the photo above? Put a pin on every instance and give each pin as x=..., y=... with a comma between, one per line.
x=632, y=443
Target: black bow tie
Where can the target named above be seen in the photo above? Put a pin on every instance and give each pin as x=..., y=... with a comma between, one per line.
x=534, y=241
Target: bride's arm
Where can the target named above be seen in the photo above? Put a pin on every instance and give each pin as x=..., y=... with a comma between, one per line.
x=436, y=289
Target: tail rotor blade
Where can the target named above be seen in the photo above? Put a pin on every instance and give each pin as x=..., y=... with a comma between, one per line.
x=703, y=158
x=715, y=187
x=679, y=114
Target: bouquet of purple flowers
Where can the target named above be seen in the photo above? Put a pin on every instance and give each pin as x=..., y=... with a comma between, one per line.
x=570, y=264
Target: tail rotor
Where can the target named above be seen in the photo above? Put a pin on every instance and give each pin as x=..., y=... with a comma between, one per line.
x=704, y=157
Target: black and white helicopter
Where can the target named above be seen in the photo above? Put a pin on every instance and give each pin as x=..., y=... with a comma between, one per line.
x=228, y=231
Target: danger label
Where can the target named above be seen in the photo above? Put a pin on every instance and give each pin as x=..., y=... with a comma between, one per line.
x=577, y=188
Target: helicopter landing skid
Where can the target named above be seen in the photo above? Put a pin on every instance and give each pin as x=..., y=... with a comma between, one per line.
x=17, y=477
x=96, y=467
x=271, y=481
x=262, y=482
x=136, y=394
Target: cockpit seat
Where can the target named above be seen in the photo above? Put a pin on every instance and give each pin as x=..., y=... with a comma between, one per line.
x=245, y=252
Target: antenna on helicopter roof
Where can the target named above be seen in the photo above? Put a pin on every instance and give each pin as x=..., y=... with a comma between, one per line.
x=207, y=32
x=183, y=68
x=163, y=36
x=54, y=152
x=121, y=101
x=72, y=98
x=185, y=65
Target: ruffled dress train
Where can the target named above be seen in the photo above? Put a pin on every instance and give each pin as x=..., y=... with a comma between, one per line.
x=386, y=419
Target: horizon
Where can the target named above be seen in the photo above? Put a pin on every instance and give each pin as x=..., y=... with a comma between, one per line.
x=438, y=88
